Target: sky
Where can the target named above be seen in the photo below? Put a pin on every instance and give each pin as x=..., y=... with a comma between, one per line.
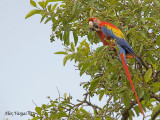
x=29, y=69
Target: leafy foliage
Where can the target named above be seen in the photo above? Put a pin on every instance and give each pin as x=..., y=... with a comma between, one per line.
x=140, y=20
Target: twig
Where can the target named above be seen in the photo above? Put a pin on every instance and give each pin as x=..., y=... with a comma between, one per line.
x=153, y=95
x=94, y=106
x=109, y=99
x=34, y=103
x=81, y=102
x=143, y=63
x=59, y=94
x=158, y=74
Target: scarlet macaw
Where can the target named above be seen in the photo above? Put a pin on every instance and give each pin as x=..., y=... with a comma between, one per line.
x=108, y=31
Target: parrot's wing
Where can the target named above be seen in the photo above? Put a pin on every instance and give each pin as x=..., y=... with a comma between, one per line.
x=117, y=35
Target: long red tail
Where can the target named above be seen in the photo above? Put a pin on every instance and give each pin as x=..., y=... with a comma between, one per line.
x=130, y=80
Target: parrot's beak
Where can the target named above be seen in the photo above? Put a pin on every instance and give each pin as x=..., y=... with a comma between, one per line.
x=93, y=26
x=90, y=24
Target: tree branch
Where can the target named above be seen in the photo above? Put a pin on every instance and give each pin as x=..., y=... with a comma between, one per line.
x=155, y=115
x=143, y=63
x=107, y=105
x=153, y=95
x=125, y=112
x=157, y=74
x=94, y=106
x=81, y=102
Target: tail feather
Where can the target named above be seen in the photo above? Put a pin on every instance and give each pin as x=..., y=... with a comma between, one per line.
x=130, y=80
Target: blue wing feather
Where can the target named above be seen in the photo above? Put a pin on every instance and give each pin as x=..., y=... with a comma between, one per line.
x=120, y=41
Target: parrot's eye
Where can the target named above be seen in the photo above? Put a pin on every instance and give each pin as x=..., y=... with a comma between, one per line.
x=95, y=26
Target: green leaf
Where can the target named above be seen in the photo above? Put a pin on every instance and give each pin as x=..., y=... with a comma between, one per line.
x=47, y=20
x=43, y=17
x=158, y=40
x=61, y=52
x=33, y=3
x=148, y=74
x=36, y=118
x=62, y=114
x=140, y=92
x=101, y=95
x=157, y=2
x=49, y=8
x=100, y=49
x=146, y=96
x=146, y=27
x=62, y=5
x=38, y=110
x=79, y=116
x=92, y=63
x=156, y=84
x=126, y=99
x=141, y=47
x=91, y=11
x=65, y=59
x=74, y=8
x=122, y=90
x=94, y=83
x=150, y=19
x=137, y=110
x=143, y=20
x=84, y=111
x=130, y=30
x=131, y=114
x=54, y=7
x=155, y=110
x=42, y=4
x=75, y=38
x=44, y=106
x=32, y=12
x=66, y=37
x=84, y=68
x=72, y=47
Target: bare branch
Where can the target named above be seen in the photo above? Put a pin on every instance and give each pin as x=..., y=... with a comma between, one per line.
x=143, y=62
x=153, y=95
x=34, y=103
x=84, y=100
x=107, y=105
x=59, y=94
x=94, y=106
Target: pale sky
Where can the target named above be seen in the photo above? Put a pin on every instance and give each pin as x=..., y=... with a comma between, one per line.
x=28, y=68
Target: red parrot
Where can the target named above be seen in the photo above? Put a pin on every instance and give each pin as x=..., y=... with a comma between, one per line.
x=107, y=31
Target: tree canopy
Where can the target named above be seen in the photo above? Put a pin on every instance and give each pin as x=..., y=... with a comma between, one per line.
x=140, y=22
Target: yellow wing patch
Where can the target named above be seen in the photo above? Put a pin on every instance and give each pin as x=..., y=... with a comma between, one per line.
x=116, y=31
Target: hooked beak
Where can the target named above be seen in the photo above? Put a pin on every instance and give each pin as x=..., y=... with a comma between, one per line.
x=93, y=26
x=90, y=24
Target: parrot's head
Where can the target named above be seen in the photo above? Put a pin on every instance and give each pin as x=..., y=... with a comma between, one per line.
x=94, y=24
